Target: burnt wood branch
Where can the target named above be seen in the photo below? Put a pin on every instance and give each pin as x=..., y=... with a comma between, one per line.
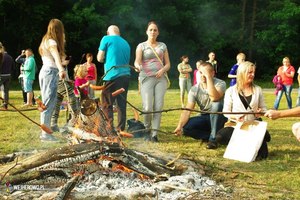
x=67, y=188
x=32, y=175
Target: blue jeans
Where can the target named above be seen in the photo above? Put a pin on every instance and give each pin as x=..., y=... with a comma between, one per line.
x=287, y=89
x=48, y=84
x=205, y=125
x=298, y=98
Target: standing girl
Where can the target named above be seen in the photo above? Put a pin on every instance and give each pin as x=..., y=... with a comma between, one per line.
x=287, y=72
x=81, y=73
x=184, y=77
x=52, y=50
x=92, y=73
x=150, y=56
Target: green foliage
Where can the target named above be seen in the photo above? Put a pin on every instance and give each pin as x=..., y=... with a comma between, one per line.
x=188, y=27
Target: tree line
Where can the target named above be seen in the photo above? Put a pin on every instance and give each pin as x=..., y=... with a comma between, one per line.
x=265, y=30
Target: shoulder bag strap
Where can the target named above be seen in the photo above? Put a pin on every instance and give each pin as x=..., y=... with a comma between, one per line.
x=156, y=55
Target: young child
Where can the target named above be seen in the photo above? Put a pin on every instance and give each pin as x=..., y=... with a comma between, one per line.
x=80, y=73
x=278, y=83
x=240, y=58
x=197, y=75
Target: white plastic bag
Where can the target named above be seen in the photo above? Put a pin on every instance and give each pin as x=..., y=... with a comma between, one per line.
x=245, y=141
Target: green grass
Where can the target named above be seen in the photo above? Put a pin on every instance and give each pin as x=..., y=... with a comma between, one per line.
x=277, y=177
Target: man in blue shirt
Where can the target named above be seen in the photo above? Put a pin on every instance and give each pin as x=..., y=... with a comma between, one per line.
x=117, y=53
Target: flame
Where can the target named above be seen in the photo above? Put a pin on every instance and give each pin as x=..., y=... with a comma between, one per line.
x=122, y=168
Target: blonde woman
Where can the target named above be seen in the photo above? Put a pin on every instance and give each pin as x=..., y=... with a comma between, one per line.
x=149, y=56
x=287, y=72
x=245, y=96
x=184, y=77
x=52, y=50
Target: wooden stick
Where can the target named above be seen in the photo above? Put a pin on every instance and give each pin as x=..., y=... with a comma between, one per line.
x=174, y=187
x=173, y=161
x=234, y=171
x=67, y=188
x=43, y=127
x=193, y=110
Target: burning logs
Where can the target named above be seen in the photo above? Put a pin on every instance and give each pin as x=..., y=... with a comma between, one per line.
x=62, y=158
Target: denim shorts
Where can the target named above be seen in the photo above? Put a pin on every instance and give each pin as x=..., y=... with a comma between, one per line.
x=27, y=85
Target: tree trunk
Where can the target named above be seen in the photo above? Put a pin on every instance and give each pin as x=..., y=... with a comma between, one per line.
x=252, y=29
x=243, y=23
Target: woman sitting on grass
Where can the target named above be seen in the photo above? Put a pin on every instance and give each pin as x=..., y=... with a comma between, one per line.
x=244, y=97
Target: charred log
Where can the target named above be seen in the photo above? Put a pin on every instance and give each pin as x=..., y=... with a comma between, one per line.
x=67, y=188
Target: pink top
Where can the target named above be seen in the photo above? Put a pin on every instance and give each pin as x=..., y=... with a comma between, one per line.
x=79, y=82
x=195, y=79
x=286, y=80
x=91, y=72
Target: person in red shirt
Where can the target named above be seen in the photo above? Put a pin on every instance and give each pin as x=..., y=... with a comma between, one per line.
x=287, y=72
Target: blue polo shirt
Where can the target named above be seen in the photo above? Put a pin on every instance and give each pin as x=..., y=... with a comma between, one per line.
x=117, y=52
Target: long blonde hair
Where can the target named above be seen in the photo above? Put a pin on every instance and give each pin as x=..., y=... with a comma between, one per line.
x=77, y=71
x=55, y=31
x=242, y=71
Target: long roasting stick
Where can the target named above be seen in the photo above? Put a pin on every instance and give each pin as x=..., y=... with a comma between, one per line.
x=42, y=126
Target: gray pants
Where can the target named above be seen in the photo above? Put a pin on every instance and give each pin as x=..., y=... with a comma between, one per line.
x=153, y=92
x=185, y=84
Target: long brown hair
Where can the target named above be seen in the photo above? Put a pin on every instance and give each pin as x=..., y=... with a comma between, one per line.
x=1, y=54
x=55, y=31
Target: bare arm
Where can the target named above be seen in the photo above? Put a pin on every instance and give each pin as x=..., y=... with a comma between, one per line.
x=54, y=52
x=184, y=118
x=138, y=59
x=166, y=67
x=100, y=55
x=298, y=78
x=213, y=93
x=275, y=114
x=95, y=70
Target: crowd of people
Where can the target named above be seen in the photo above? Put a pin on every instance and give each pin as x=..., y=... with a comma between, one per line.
x=152, y=62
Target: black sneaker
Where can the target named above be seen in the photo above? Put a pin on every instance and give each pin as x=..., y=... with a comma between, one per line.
x=147, y=137
x=54, y=128
x=49, y=138
x=154, y=139
x=212, y=145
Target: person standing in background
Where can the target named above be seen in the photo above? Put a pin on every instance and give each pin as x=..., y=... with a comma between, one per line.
x=298, y=79
x=117, y=53
x=213, y=62
x=28, y=70
x=287, y=72
x=8, y=65
x=21, y=60
x=52, y=50
x=149, y=60
x=92, y=73
x=232, y=74
x=196, y=73
x=184, y=77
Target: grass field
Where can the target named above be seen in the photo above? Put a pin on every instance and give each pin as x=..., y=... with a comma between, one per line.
x=277, y=177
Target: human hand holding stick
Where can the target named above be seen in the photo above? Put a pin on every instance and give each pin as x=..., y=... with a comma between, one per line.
x=42, y=126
